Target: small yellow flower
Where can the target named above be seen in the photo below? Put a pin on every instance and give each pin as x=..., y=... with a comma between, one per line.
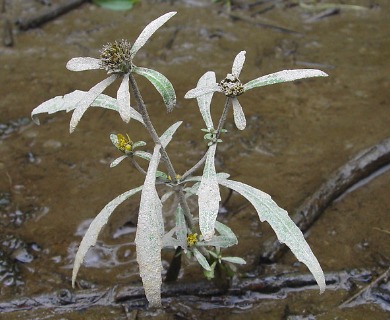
x=124, y=144
x=178, y=176
x=192, y=239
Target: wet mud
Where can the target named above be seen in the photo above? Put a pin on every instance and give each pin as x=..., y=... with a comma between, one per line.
x=52, y=184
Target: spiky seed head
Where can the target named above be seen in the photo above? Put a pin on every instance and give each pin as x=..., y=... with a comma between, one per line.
x=231, y=86
x=115, y=57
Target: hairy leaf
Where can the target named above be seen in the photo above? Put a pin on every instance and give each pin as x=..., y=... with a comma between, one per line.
x=148, y=31
x=283, y=76
x=208, y=196
x=150, y=230
x=204, y=101
x=161, y=83
x=285, y=229
x=95, y=227
x=201, y=259
x=117, y=161
x=166, y=137
x=238, y=64
x=238, y=114
x=123, y=97
x=236, y=260
x=200, y=91
x=83, y=63
x=69, y=101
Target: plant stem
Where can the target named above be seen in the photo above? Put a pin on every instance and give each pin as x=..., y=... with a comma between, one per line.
x=164, y=155
x=220, y=127
x=223, y=116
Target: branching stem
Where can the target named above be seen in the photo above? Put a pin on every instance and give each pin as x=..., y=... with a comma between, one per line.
x=164, y=155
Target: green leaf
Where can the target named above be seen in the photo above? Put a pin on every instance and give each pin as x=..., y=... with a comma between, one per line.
x=166, y=137
x=161, y=83
x=208, y=196
x=115, y=4
x=204, y=101
x=148, y=31
x=201, y=259
x=90, y=237
x=150, y=230
x=236, y=260
x=225, y=239
x=285, y=229
x=283, y=76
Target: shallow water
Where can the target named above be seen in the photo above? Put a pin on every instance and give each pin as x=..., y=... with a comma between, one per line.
x=53, y=183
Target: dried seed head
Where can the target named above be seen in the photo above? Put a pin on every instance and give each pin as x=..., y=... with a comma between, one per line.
x=231, y=86
x=115, y=57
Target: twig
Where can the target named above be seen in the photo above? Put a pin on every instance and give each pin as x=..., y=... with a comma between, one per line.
x=46, y=15
x=134, y=295
x=366, y=289
x=360, y=167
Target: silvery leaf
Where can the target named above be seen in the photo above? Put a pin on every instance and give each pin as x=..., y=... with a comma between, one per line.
x=225, y=239
x=236, y=260
x=138, y=144
x=117, y=161
x=161, y=83
x=167, y=195
x=169, y=241
x=69, y=101
x=283, y=76
x=143, y=154
x=201, y=259
x=238, y=114
x=166, y=137
x=208, y=196
x=90, y=237
x=123, y=97
x=87, y=100
x=148, y=238
x=59, y=103
x=148, y=31
x=200, y=91
x=108, y=102
x=83, y=63
x=204, y=101
x=285, y=229
x=181, y=227
x=238, y=64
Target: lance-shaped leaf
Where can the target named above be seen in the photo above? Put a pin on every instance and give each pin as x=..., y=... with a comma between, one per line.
x=69, y=101
x=204, y=101
x=87, y=100
x=166, y=137
x=201, y=259
x=285, y=229
x=283, y=76
x=117, y=161
x=161, y=83
x=238, y=114
x=148, y=31
x=200, y=91
x=143, y=154
x=95, y=227
x=83, y=63
x=148, y=238
x=238, y=63
x=236, y=260
x=208, y=196
x=123, y=97
x=225, y=239
x=181, y=227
